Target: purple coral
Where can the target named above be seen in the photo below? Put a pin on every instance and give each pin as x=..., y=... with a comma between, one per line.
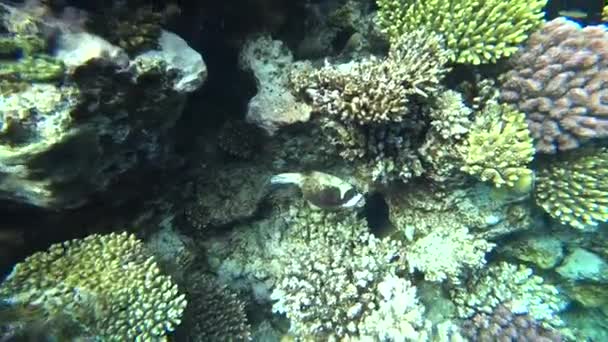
x=560, y=80
x=504, y=325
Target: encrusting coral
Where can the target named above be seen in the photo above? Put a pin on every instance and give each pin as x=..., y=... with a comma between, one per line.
x=574, y=189
x=499, y=147
x=559, y=81
x=107, y=285
x=475, y=32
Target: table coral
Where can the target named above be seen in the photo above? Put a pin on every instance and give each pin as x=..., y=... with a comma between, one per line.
x=475, y=31
x=108, y=285
x=574, y=190
x=499, y=147
x=559, y=81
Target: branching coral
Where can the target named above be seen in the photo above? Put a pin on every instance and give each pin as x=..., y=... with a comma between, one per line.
x=445, y=253
x=338, y=276
x=559, y=81
x=475, y=31
x=450, y=117
x=499, y=147
x=450, y=121
x=109, y=285
x=516, y=288
x=369, y=110
x=574, y=190
x=372, y=90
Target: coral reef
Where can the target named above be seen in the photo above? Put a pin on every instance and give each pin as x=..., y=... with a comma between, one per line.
x=364, y=293
x=214, y=312
x=273, y=106
x=63, y=142
x=504, y=325
x=240, y=139
x=369, y=109
x=474, y=31
x=558, y=80
x=499, y=147
x=450, y=117
x=514, y=287
x=225, y=195
x=574, y=189
x=446, y=253
x=108, y=285
x=416, y=211
x=450, y=121
x=372, y=90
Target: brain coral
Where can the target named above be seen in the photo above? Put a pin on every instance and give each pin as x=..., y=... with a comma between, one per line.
x=475, y=31
x=574, y=190
x=499, y=147
x=560, y=82
x=108, y=285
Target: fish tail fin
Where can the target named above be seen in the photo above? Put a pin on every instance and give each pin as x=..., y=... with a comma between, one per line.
x=287, y=178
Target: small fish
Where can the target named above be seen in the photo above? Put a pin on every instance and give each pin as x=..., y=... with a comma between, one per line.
x=322, y=190
x=576, y=14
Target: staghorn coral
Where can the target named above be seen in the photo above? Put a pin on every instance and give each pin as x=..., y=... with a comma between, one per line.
x=446, y=252
x=559, y=81
x=372, y=90
x=505, y=325
x=475, y=32
x=574, y=190
x=514, y=287
x=108, y=285
x=340, y=280
x=499, y=147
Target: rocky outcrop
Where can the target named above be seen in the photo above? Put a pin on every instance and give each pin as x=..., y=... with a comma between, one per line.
x=64, y=139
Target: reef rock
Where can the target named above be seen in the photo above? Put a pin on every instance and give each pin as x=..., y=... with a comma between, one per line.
x=581, y=264
x=100, y=116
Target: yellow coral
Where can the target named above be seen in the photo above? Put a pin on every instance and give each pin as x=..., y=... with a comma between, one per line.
x=106, y=284
x=605, y=13
x=499, y=146
x=574, y=190
x=475, y=31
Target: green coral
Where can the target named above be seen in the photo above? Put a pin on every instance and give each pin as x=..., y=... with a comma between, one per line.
x=107, y=285
x=499, y=147
x=475, y=31
x=574, y=190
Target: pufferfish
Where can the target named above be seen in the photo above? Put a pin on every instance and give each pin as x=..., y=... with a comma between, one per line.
x=322, y=190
